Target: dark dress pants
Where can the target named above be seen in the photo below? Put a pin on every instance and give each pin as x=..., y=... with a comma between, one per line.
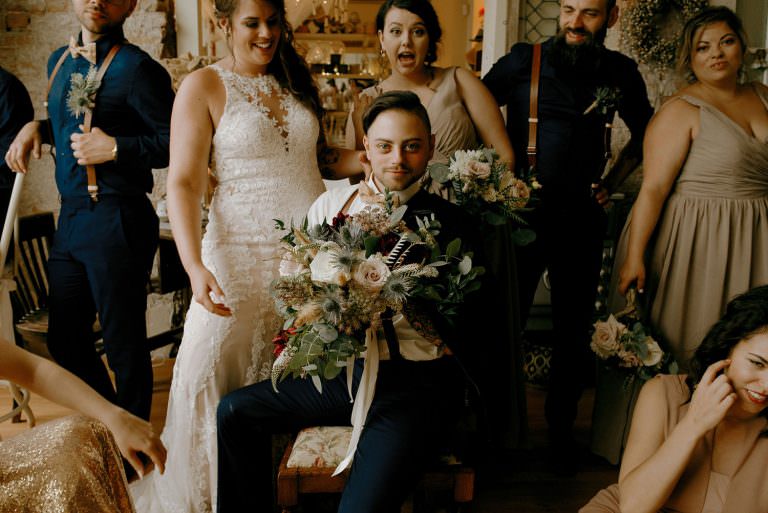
x=415, y=405
x=100, y=262
x=569, y=243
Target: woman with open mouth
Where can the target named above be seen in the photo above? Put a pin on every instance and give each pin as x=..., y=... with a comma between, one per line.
x=462, y=111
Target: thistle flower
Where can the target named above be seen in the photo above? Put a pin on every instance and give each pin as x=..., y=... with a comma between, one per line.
x=395, y=292
x=330, y=302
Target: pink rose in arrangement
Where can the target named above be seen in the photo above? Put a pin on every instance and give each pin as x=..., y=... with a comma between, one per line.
x=372, y=273
x=605, y=339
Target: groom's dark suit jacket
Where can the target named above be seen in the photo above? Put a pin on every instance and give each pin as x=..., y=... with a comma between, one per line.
x=455, y=223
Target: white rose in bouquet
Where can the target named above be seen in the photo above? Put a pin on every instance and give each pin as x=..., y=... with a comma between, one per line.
x=324, y=269
x=605, y=339
x=372, y=274
x=460, y=161
x=654, y=353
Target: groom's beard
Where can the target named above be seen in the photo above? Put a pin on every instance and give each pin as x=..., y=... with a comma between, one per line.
x=582, y=57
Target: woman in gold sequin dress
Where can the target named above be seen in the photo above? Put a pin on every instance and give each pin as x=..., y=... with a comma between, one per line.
x=70, y=464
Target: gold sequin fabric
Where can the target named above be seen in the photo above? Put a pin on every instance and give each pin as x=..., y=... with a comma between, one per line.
x=65, y=466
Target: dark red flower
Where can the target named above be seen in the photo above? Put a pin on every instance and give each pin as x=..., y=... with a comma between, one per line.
x=339, y=220
x=281, y=340
x=387, y=242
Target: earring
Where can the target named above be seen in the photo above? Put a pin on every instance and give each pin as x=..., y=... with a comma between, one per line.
x=383, y=53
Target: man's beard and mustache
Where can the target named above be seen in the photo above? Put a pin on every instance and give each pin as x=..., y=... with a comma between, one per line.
x=587, y=55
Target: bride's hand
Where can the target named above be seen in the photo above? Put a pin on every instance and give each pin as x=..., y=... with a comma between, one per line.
x=204, y=285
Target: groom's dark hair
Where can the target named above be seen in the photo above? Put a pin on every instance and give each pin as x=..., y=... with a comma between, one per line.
x=397, y=100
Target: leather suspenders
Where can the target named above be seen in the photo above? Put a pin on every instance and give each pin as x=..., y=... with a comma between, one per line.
x=93, y=187
x=533, y=117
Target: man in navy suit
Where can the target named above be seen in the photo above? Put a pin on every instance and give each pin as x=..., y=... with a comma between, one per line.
x=103, y=248
x=420, y=386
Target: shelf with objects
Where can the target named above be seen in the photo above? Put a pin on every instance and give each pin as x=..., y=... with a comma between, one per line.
x=342, y=66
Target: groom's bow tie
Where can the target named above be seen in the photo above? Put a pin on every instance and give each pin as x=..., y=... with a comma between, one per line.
x=88, y=50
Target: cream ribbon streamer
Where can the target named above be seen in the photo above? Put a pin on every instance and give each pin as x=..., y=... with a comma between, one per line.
x=364, y=396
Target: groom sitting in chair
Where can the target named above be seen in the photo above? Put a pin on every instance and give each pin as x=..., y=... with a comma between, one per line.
x=419, y=390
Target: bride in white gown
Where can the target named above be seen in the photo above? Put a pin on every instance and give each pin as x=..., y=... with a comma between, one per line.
x=254, y=120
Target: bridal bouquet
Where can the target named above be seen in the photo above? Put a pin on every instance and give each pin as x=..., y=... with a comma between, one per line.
x=487, y=188
x=624, y=342
x=336, y=281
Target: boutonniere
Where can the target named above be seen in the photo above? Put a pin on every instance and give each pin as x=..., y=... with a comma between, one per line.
x=606, y=100
x=82, y=92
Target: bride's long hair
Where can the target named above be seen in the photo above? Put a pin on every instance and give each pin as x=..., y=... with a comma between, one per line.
x=288, y=67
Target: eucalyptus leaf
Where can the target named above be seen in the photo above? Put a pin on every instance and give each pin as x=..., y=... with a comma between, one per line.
x=326, y=332
x=439, y=172
x=465, y=265
x=453, y=248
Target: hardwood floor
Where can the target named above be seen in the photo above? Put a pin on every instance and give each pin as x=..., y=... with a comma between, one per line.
x=517, y=483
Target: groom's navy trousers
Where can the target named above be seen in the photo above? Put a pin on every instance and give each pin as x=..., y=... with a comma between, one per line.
x=414, y=409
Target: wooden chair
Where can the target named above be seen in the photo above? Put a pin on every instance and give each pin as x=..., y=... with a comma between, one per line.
x=30, y=299
x=309, y=462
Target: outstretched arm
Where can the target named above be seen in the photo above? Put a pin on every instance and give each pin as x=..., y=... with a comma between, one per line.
x=133, y=435
x=667, y=142
x=339, y=163
x=485, y=114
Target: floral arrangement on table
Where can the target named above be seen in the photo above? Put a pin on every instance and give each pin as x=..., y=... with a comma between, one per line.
x=646, y=35
x=337, y=281
x=487, y=188
x=624, y=342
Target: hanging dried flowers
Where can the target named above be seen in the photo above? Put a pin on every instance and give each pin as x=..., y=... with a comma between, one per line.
x=643, y=25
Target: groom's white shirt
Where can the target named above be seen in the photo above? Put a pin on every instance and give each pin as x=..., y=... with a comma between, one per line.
x=412, y=345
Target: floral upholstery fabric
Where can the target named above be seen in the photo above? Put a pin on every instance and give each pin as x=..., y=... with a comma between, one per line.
x=322, y=446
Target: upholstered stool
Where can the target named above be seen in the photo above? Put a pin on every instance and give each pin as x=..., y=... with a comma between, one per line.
x=309, y=462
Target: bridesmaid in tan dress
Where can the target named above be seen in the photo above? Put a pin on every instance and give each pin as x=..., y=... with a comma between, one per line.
x=700, y=444
x=701, y=218
x=71, y=464
x=461, y=109
x=463, y=115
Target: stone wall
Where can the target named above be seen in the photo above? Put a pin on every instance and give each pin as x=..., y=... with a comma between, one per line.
x=30, y=30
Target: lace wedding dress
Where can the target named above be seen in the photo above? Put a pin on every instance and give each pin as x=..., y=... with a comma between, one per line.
x=266, y=167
